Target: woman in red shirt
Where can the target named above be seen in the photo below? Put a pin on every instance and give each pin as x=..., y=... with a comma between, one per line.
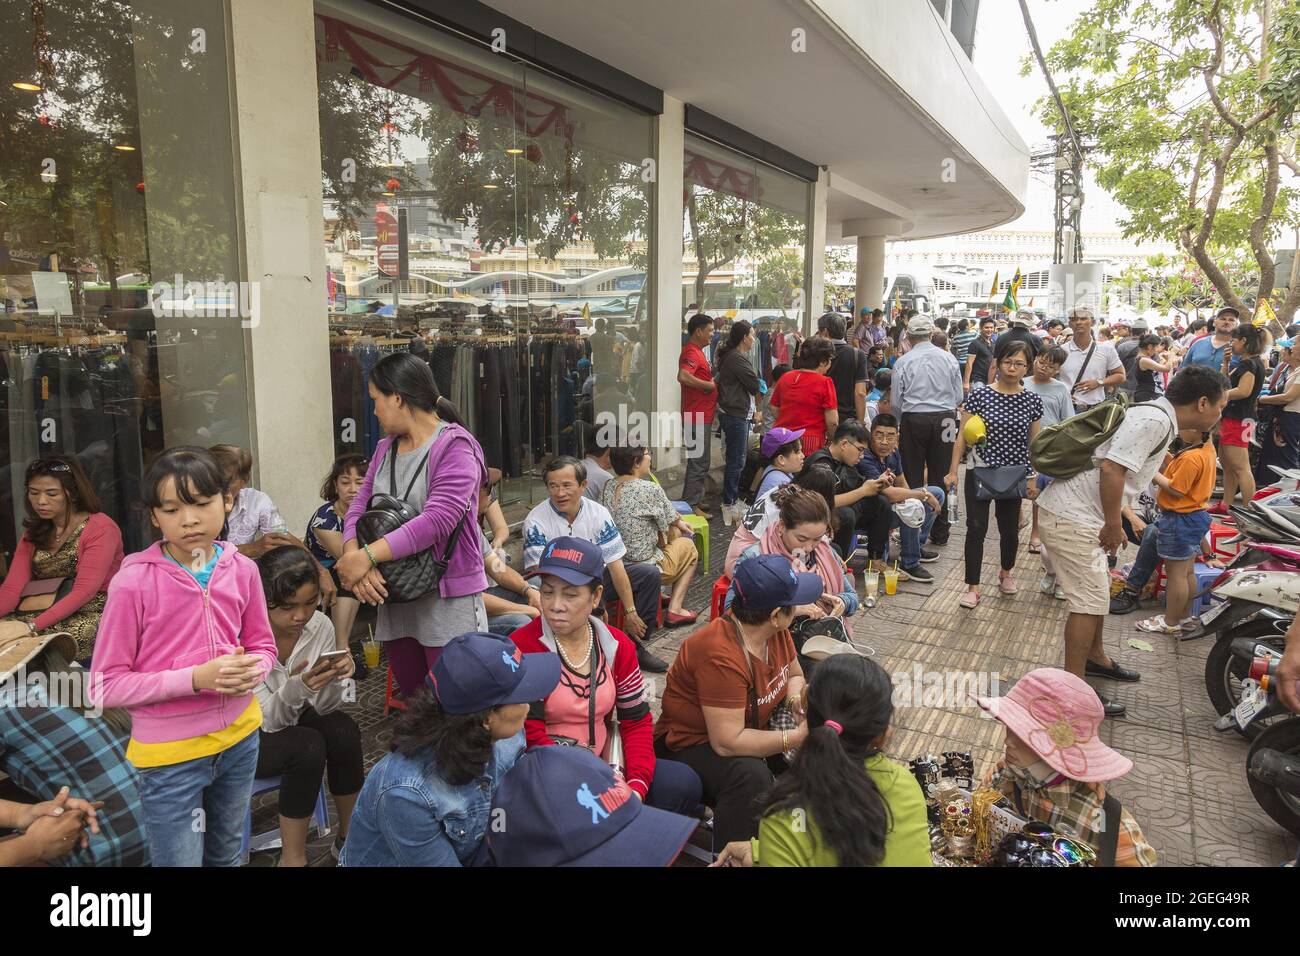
x=67, y=537
x=599, y=660
x=805, y=398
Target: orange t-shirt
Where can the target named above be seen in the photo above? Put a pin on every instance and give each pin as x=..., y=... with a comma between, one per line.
x=710, y=671
x=1192, y=473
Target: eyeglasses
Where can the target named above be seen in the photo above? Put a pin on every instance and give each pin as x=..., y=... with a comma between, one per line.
x=1006, y=364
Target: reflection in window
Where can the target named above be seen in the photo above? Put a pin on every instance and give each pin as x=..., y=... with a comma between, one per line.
x=527, y=222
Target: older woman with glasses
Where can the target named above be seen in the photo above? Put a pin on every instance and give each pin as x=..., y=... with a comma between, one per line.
x=68, y=553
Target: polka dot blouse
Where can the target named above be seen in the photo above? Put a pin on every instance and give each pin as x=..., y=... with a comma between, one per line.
x=1006, y=419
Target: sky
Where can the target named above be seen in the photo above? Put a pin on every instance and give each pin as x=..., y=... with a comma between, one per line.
x=1000, y=44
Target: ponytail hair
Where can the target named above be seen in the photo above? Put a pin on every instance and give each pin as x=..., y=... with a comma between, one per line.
x=739, y=329
x=828, y=779
x=409, y=378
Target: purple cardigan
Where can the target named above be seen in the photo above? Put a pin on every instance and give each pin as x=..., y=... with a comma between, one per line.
x=456, y=473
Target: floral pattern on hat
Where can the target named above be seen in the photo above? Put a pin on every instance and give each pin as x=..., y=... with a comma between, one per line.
x=1060, y=735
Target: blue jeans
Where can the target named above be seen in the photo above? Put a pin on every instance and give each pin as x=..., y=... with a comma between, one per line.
x=675, y=788
x=194, y=811
x=911, y=539
x=735, y=432
x=1144, y=565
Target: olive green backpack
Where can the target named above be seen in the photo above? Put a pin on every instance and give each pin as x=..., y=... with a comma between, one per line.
x=1068, y=448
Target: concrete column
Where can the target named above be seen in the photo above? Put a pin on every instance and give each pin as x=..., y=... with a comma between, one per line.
x=666, y=332
x=277, y=165
x=871, y=272
x=816, y=256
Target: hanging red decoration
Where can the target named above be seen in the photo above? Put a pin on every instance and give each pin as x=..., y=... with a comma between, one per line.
x=139, y=187
x=534, y=153
x=43, y=120
x=573, y=218
x=393, y=185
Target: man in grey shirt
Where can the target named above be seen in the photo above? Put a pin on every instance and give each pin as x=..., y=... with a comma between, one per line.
x=597, y=463
x=925, y=393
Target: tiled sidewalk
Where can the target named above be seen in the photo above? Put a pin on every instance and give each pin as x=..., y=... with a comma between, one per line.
x=1188, y=786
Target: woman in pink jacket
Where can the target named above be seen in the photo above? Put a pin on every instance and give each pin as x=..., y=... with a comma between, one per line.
x=183, y=642
x=66, y=538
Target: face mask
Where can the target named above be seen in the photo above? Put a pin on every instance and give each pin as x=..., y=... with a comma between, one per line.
x=1035, y=775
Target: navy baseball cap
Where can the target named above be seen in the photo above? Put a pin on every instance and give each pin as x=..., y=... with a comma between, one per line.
x=479, y=671
x=574, y=560
x=563, y=806
x=769, y=580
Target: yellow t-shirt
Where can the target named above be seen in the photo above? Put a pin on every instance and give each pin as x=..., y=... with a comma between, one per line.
x=172, y=752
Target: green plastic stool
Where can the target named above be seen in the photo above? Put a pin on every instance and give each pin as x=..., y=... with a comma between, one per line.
x=701, y=528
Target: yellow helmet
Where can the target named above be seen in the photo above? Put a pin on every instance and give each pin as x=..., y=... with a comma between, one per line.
x=974, y=431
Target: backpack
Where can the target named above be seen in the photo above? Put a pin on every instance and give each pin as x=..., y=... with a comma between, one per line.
x=751, y=476
x=1066, y=449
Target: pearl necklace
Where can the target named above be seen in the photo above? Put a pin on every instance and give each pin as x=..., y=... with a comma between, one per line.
x=591, y=640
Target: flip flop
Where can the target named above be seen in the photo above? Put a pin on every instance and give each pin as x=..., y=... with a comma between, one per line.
x=1035, y=547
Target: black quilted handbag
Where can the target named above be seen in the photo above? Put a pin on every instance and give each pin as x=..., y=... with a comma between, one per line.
x=412, y=577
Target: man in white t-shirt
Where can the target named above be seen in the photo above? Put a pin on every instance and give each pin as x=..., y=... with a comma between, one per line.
x=567, y=512
x=1079, y=518
x=1104, y=369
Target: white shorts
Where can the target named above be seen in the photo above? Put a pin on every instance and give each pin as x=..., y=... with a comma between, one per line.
x=1078, y=561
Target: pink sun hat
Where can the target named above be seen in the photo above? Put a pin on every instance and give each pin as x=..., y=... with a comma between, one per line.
x=1057, y=715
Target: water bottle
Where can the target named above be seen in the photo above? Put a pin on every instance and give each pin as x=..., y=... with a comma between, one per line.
x=954, y=510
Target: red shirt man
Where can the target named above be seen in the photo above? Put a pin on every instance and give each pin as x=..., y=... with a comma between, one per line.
x=699, y=393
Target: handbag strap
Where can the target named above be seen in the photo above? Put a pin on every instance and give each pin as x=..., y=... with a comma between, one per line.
x=593, y=680
x=392, y=469
x=751, y=711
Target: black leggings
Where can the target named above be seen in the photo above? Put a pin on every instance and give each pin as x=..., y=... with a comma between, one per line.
x=977, y=528
x=733, y=787
x=301, y=754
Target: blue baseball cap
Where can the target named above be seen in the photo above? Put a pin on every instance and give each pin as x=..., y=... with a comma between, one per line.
x=574, y=560
x=769, y=581
x=479, y=671
x=563, y=806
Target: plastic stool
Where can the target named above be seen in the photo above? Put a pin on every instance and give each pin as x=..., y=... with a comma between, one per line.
x=701, y=528
x=270, y=840
x=720, y=589
x=390, y=702
x=1222, y=532
x=617, y=615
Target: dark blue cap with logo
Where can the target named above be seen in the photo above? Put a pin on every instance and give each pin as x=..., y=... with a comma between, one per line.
x=479, y=671
x=769, y=581
x=574, y=560
x=563, y=806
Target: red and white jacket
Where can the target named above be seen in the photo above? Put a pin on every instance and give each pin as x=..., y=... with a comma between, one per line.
x=636, y=724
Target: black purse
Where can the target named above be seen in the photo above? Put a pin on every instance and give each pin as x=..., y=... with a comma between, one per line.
x=1000, y=483
x=412, y=577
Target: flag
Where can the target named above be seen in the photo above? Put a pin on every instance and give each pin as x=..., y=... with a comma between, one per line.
x=994, y=291
x=586, y=312
x=1009, y=304
x=1264, y=313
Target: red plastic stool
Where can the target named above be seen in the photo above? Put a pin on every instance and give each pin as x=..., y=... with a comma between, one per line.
x=1159, y=589
x=720, y=588
x=1221, y=532
x=391, y=702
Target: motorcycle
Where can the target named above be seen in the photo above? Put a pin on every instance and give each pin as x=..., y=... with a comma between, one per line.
x=1273, y=763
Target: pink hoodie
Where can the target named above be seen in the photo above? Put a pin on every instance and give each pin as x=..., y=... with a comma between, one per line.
x=158, y=625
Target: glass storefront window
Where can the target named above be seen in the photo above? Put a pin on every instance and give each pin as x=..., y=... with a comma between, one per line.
x=527, y=229
x=122, y=329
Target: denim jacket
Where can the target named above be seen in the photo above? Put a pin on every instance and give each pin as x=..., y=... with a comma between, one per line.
x=407, y=815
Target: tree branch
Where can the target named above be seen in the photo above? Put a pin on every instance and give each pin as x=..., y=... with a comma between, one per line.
x=1259, y=226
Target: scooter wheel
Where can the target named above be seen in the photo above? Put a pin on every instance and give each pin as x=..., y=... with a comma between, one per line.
x=1283, y=808
x=1224, y=672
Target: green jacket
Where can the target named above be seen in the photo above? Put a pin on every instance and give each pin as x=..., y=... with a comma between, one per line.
x=787, y=840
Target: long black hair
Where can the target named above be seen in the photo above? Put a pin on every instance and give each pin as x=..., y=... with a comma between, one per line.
x=828, y=779
x=404, y=375
x=77, y=490
x=457, y=745
x=739, y=329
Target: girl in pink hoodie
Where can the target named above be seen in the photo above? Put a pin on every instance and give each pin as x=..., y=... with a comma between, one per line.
x=183, y=641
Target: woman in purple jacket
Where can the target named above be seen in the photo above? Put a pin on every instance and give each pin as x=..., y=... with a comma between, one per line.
x=439, y=469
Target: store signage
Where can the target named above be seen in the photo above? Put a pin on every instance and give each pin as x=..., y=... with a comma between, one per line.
x=386, y=251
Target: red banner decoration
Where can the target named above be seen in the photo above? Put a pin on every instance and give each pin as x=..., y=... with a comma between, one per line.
x=721, y=177
x=385, y=242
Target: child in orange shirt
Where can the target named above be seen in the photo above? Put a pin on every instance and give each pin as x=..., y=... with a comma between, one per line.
x=1185, y=485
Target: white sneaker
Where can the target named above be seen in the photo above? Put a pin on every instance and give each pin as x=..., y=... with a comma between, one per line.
x=1048, y=584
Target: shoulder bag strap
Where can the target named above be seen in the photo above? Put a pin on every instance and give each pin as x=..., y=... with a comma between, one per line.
x=1110, y=842
x=1084, y=367
x=751, y=712
x=593, y=681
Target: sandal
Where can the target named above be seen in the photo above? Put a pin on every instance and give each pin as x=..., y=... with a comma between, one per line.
x=1157, y=625
x=970, y=600
x=1035, y=547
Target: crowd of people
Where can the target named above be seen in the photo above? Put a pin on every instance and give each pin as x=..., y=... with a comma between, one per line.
x=219, y=656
